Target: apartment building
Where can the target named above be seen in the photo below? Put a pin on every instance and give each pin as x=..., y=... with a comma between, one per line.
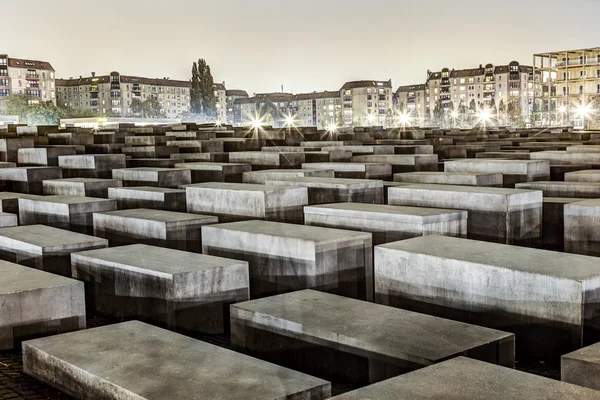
x=482, y=86
x=31, y=78
x=367, y=103
x=220, y=102
x=114, y=93
x=231, y=97
x=328, y=106
x=570, y=82
x=411, y=99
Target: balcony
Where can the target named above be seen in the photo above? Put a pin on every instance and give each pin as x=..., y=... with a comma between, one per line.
x=589, y=61
x=32, y=76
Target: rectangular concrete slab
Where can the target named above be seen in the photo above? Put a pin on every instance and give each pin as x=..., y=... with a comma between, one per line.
x=465, y=379
x=334, y=190
x=332, y=337
x=402, y=162
x=354, y=170
x=582, y=367
x=27, y=179
x=260, y=177
x=510, y=216
x=244, y=201
x=149, y=197
x=7, y=220
x=157, y=177
x=215, y=172
x=36, y=303
x=183, y=291
x=513, y=171
x=452, y=178
x=582, y=227
x=136, y=361
x=548, y=299
x=388, y=223
x=587, y=190
x=91, y=165
x=175, y=230
x=286, y=257
x=44, y=247
x=266, y=160
x=588, y=175
x=85, y=187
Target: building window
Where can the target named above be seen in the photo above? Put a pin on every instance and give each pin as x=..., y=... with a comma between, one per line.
x=4, y=92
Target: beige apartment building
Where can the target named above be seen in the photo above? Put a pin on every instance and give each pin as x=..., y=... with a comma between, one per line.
x=411, y=99
x=367, y=103
x=231, y=97
x=31, y=78
x=570, y=83
x=114, y=93
x=220, y=102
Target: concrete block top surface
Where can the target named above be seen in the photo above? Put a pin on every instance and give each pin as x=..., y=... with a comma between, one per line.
x=144, y=189
x=212, y=166
x=64, y=199
x=247, y=187
x=148, y=169
x=162, y=261
x=152, y=363
x=463, y=378
x=16, y=278
x=549, y=184
x=402, y=334
x=42, y=238
x=327, y=182
x=279, y=229
x=562, y=200
x=590, y=354
x=80, y=180
x=493, y=255
x=387, y=213
x=345, y=166
x=457, y=174
x=159, y=215
x=463, y=189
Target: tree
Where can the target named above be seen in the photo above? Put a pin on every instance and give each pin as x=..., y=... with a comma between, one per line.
x=202, y=93
x=493, y=104
x=149, y=108
x=438, y=111
x=501, y=107
x=473, y=106
x=340, y=118
x=39, y=113
x=389, y=118
x=137, y=108
x=195, y=94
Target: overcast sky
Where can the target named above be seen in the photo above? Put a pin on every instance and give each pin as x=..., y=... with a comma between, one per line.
x=305, y=45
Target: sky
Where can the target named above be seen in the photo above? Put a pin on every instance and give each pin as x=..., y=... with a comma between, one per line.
x=305, y=45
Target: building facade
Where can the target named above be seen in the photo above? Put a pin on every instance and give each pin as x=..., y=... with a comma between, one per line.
x=114, y=93
x=412, y=99
x=31, y=78
x=570, y=87
x=231, y=97
x=220, y=102
x=367, y=103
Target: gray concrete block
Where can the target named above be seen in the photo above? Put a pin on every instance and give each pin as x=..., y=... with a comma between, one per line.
x=513, y=171
x=242, y=201
x=91, y=165
x=42, y=156
x=452, y=178
x=27, y=179
x=8, y=220
x=260, y=177
x=355, y=170
x=136, y=361
x=582, y=229
x=266, y=160
x=162, y=228
x=36, y=303
x=156, y=177
x=84, y=187
x=73, y=213
x=586, y=190
x=510, y=216
x=201, y=157
x=45, y=248
x=465, y=379
x=215, y=172
x=182, y=291
x=335, y=190
x=564, y=157
x=553, y=237
x=582, y=367
x=548, y=299
x=151, y=163
x=148, y=197
x=149, y=151
x=9, y=148
x=589, y=175
x=286, y=257
x=332, y=337
x=402, y=162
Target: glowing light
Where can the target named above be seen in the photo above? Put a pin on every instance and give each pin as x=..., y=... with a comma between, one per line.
x=583, y=110
x=404, y=118
x=484, y=115
x=331, y=128
x=218, y=123
x=454, y=114
x=290, y=121
x=371, y=118
x=562, y=109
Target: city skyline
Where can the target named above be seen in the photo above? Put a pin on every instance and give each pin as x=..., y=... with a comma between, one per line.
x=257, y=47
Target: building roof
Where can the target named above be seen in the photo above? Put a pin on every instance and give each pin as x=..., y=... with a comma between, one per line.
x=241, y=93
x=463, y=73
x=366, y=84
x=219, y=86
x=25, y=63
x=556, y=53
x=410, y=88
x=504, y=69
x=124, y=79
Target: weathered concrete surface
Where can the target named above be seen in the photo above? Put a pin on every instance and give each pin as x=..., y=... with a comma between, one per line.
x=201, y=157
x=44, y=247
x=156, y=177
x=510, y=216
x=91, y=165
x=589, y=175
x=243, y=201
x=553, y=237
x=388, y=223
x=551, y=308
x=333, y=337
x=504, y=155
x=335, y=190
x=582, y=367
x=266, y=160
x=149, y=151
x=9, y=202
x=564, y=157
x=286, y=257
x=402, y=162
x=183, y=291
x=513, y=171
x=582, y=227
x=84, y=187
x=586, y=190
x=261, y=177
x=162, y=228
x=9, y=148
x=42, y=156
x=136, y=361
x=452, y=178
x=7, y=220
x=73, y=213
x=558, y=171
x=148, y=197
x=151, y=163
x=27, y=179
x=36, y=303
x=465, y=379
x=354, y=170
x=215, y=172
